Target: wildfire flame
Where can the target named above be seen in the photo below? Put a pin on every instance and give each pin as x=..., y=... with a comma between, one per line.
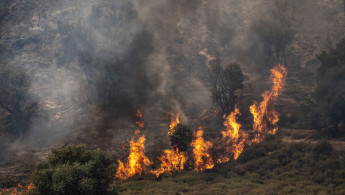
x=265, y=117
x=171, y=161
x=202, y=158
x=19, y=190
x=31, y=187
x=136, y=162
x=234, y=139
x=140, y=121
x=173, y=124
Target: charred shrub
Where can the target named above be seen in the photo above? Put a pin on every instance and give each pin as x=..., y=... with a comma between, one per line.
x=181, y=138
x=74, y=170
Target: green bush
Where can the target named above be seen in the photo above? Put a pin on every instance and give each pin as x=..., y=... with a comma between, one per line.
x=181, y=138
x=74, y=170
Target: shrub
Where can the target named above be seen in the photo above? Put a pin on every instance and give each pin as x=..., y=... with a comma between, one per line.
x=181, y=138
x=74, y=170
x=251, y=153
x=322, y=150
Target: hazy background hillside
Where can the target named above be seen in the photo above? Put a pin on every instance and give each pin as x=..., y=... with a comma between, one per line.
x=90, y=65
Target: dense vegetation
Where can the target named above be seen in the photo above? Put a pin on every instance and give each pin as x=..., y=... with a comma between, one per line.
x=74, y=170
x=271, y=167
x=330, y=91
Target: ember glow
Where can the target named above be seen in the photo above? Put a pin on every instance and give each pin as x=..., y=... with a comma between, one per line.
x=140, y=121
x=19, y=190
x=171, y=161
x=137, y=161
x=265, y=117
x=174, y=123
x=201, y=148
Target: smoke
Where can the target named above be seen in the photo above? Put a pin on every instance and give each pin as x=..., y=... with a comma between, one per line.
x=92, y=64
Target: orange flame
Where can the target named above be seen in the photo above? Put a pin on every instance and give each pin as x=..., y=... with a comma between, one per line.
x=31, y=187
x=265, y=121
x=140, y=122
x=171, y=161
x=202, y=158
x=265, y=117
x=173, y=124
x=136, y=162
x=235, y=139
x=19, y=190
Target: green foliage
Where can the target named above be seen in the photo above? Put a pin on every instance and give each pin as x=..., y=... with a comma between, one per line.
x=224, y=84
x=330, y=90
x=181, y=138
x=74, y=170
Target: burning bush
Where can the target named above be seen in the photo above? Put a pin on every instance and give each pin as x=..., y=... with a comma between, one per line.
x=74, y=170
x=181, y=138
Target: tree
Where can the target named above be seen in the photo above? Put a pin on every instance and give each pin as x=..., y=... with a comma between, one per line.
x=15, y=97
x=330, y=88
x=74, y=170
x=275, y=28
x=224, y=83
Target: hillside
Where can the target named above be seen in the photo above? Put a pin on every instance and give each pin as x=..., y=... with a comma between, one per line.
x=90, y=66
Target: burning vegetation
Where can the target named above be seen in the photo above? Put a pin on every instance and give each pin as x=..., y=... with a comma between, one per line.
x=137, y=161
x=19, y=190
x=201, y=149
x=265, y=117
x=234, y=138
x=171, y=161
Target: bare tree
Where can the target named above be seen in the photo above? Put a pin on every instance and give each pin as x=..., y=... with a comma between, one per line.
x=224, y=83
x=14, y=96
x=275, y=28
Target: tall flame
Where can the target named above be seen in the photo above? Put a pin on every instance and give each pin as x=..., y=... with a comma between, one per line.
x=234, y=139
x=136, y=162
x=265, y=117
x=171, y=161
x=202, y=158
x=173, y=124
